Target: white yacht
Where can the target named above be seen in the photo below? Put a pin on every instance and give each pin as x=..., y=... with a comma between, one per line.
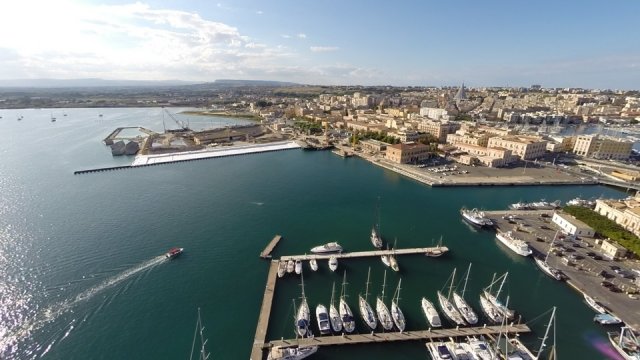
x=430, y=313
x=393, y=263
x=465, y=310
x=313, y=264
x=282, y=268
x=298, y=267
x=376, y=241
x=346, y=315
x=594, y=304
x=334, y=314
x=519, y=206
x=396, y=313
x=294, y=352
x=518, y=246
x=331, y=247
x=290, y=266
x=482, y=349
x=626, y=343
x=381, y=309
x=333, y=263
x=440, y=351
x=322, y=316
x=366, y=311
x=476, y=217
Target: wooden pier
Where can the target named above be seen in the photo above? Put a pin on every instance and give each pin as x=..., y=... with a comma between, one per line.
x=265, y=312
x=356, y=254
x=266, y=253
x=424, y=335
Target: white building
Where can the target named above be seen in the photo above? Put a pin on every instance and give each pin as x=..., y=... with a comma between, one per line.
x=572, y=226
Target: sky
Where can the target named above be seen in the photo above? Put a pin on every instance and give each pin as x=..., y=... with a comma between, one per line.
x=568, y=43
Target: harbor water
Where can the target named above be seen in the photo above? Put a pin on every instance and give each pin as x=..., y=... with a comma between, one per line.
x=82, y=272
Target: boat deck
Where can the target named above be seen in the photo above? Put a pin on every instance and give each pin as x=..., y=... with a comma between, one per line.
x=428, y=335
x=265, y=312
x=356, y=254
x=266, y=253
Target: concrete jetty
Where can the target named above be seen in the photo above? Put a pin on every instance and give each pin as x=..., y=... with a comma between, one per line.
x=265, y=312
x=348, y=255
x=266, y=253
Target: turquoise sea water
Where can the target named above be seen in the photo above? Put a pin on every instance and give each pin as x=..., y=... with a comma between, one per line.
x=81, y=272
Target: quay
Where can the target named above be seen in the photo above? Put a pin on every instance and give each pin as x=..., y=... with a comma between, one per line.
x=356, y=254
x=266, y=253
x=584, y=273
x=265, y=312
x=377, y=337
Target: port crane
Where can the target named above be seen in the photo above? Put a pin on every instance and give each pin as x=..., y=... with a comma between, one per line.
x=183, y=125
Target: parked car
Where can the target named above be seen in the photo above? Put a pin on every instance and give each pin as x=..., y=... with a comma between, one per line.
x=591, y=254
x=597, y=257
x=607, y=284
x=614, y=267
x=605, y=275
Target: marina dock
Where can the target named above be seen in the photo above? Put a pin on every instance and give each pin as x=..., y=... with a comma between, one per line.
x=356, y=254
x=266, y=253
x=265, y=312
x=424, y=335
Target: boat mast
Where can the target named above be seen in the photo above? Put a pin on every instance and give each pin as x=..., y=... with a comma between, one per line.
x=199, y=329
x=302, y=285
x=546, y=333
x=384, y=282
x=464, y=288
x=453, y=276
x=344, y=285
x=366, y=291
x=493, y=281
x=504, y=278
x=333, y=291
x=397, y=296
x=550, y=246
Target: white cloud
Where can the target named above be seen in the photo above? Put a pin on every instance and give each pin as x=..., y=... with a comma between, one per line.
x=324, y=48
x=302, y=36
x=285, y=36
x=259, y=12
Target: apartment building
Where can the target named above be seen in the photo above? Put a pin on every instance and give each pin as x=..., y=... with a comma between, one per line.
x=468, y=139
x=625, y=213
x=600, y=147
x=526, y=147
x=405, y=153
x=439, y=129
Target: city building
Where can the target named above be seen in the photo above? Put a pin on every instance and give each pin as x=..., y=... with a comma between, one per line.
x=612, y=250
x=487, y=156
x=526, y=147
x=600, y=147
x=625, y=212
x=468, y=139
x=433, y=113
x=439, y=129
x=373, y=146
x=405, y=153
x=572, y=226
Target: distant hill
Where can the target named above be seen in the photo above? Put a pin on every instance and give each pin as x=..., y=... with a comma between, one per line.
x=84, y=83
x=229, y=82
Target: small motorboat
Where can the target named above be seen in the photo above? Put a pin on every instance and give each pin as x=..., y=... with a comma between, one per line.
x=282, y=268
x=290, y=266
x=313, y=263
x=331, y=247
x=333, y=263
x=298, y=267
x=174, y=252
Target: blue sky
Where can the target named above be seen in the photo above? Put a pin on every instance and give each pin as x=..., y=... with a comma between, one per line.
x=483, y=43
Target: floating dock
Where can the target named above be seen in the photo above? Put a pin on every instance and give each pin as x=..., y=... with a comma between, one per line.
x=265, y=312
x=349, y=255
x=424, y=335
x=266, y=253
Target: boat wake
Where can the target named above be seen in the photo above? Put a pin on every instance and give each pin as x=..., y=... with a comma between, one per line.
x=9, y=343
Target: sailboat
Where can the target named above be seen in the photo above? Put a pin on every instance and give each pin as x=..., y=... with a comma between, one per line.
x=346, y=315
x=303, y=316
x=293, y=352
x=626, y=343
x=396, y=313
x=381, y=309
x=447, y=307
x=493, y=313
x=494, y=298
x=376, y=240
x=519, y=351
x=385, y=258
x=465, y=310
x=393, y=263
x=334, y=314
x=203, y=355
x=544, y=265
x=430, y=313
x=436, y=251
x=365, y=309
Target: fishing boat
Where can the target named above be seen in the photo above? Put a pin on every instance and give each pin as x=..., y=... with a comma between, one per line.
x=607, y=319
x=430, y=313
x=322, y=316
x=298, y=266
x=327, y=248
x=396, y=313
x=494, y=298
x=290, y=266
x=282, y=268
x=202, y=354
x=382, y=310
x=313, y=264
x=519, y=206
x=366, y=311
x=440, y=351
x=333, y=263
x=544, y=205
x=393, y=263
x=581, y=202
x=476, y=217
x=594, y=304
x=293, y=352
x=346, y=315
x=626, y=343
x=544, y=265
x=518, y=246
x=303, y=316
x=174, y=253
x=463, y=307
x=334, y=314
x=450, y=311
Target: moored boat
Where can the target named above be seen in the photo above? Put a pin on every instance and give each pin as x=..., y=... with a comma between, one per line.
x=298, y=266
x=482, y=349
x=396, y=313
x=476, y=217
x=290, y=266
x=626, y=343
x=294, y=352
x=490, y=310
x=174, y=253
x=519, y=206
x=313, y=264
x=334, y=314
x=449, y=311
x=322, y=316
x=518, y=246
x=333, y=263
x=430, y=313
x=465, y=310
x=303, y=316
x=346, y=315
x=282, y=268
x=594, y=304
x=494, y=298
x=548, y=269
x=381, y=309
x=331, y=247
x=440, y=351
x=366, y=311
x=607, y=319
